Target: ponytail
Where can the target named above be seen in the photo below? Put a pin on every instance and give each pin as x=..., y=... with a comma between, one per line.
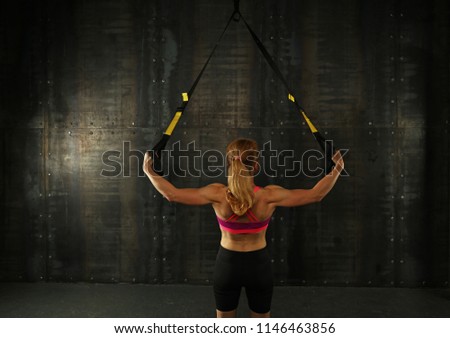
x=241, y=156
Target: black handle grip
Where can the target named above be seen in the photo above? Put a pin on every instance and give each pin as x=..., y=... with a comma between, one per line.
x=156, y=153
x=329, y=152
x=328, y=149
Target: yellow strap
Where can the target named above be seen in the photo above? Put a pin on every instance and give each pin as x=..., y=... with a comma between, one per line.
x=185, y=97
x=291, y=97
x=173, y=123
x=311, y=126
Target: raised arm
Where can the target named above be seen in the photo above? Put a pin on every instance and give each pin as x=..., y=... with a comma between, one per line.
x=281, y=197
x=191, y=196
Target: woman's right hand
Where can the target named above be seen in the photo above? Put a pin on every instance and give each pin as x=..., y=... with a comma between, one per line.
x=338, y=161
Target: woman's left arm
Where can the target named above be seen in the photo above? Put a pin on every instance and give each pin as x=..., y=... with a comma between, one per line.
x=191, y=196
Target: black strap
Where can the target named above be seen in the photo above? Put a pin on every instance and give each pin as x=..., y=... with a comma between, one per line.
x=236, y=15
x=159, y=147
x=326, y=146
x=237, y=12
x=191, y=91
x=268, y=58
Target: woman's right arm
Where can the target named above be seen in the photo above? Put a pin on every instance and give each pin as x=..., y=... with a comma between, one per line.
x=281, y=197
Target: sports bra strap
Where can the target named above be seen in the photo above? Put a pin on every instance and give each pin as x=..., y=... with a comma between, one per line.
x=249, y=212
x=232, y=217
x=252, y=216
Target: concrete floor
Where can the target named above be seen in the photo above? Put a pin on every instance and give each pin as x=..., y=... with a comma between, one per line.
x=139, y=301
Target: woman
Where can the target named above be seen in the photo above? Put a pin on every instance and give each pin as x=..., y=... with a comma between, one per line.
x=243, y=212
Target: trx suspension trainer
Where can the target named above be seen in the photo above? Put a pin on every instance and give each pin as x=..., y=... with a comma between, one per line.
x=236, y=16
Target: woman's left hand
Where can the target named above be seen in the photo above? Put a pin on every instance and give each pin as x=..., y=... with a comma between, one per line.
x=148, y=162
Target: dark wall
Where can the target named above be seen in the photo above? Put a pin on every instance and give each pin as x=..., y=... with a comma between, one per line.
x=87, y=86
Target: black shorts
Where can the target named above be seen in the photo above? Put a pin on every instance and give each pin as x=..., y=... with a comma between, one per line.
x=251, y=270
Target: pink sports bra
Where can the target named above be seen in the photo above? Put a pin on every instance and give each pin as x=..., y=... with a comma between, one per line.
x=253, y=226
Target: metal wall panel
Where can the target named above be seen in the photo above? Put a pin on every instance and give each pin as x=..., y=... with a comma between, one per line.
x=86, y=87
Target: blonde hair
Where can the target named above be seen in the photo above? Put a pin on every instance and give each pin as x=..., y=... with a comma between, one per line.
x=242, y=155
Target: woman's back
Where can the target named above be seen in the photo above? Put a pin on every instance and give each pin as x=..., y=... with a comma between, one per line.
x=261, y=209
x=254, y=223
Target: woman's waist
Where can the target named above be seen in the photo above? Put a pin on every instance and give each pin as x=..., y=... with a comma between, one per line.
x=226, y=255
x=243, y=242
